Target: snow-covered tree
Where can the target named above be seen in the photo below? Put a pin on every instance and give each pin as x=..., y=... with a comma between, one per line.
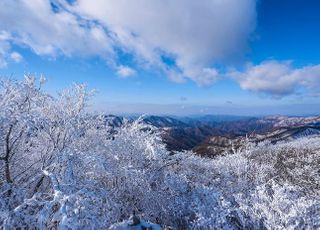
x=64, y=168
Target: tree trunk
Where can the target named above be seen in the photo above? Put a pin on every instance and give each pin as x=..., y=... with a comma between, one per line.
x=39, y=183
x=7, y=156
x=7, y=171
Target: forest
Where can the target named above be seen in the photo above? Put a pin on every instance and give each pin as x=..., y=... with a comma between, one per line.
x=64, y=167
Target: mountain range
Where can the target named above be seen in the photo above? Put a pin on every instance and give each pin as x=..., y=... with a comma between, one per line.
x=212, y=135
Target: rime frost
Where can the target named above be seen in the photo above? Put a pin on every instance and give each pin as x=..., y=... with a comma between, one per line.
x=63, y=168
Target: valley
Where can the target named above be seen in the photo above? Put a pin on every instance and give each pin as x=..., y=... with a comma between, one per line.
x=214, y=135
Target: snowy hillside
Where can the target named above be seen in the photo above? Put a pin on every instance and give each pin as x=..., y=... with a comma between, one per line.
x=63, y=168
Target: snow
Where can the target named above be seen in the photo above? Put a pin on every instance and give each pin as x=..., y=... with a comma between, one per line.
x=67, y=170
x=128, y=225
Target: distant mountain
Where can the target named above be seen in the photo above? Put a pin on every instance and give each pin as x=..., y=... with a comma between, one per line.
x=207, y=119
x=164, y=121
x=187, y=137
x=284, y=121
x=113, y=121
x=212, y=135
x=218, y=145
x=288, y=133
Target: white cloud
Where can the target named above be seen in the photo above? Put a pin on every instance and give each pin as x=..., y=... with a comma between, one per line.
x=195, y=35
x=125, y=71
x=185, y=39
x=16, y=57
x=33, y=24
x=4, y=48
x=278, y=78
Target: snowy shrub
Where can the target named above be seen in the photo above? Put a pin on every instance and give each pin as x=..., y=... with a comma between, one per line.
x=62, y=168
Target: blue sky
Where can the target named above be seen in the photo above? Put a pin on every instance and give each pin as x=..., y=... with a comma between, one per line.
x=238, y=56
x=288, y=30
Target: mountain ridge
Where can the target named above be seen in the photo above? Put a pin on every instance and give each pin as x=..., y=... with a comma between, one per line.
x=211, y=135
